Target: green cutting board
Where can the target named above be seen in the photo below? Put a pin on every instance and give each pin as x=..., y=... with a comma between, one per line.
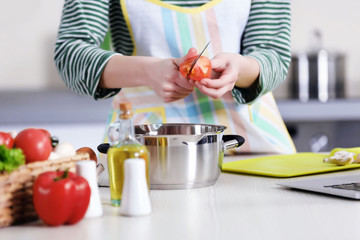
x=291, y=165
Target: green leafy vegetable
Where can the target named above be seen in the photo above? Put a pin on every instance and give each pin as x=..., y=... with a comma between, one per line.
x=10, y=159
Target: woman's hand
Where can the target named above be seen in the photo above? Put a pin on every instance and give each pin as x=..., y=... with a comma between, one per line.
x=167, y=81
x=160, y=74
x=229, y=70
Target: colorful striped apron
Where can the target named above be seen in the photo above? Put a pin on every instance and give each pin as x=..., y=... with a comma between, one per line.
x=163, y=30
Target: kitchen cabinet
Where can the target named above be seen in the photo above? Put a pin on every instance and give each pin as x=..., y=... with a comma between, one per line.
x=320, y=127
x=324, y=136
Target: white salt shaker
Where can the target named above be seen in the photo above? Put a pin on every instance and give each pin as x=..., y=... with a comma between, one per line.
x=87, y=169
x=135, y=199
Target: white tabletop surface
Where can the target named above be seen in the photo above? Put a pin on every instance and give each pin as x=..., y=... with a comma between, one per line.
x=237, y=207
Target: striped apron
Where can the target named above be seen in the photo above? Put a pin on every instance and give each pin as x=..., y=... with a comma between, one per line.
x=164, y=30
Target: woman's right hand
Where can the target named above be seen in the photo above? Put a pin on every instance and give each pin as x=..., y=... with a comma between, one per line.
x=160, y=74
x=167, y=81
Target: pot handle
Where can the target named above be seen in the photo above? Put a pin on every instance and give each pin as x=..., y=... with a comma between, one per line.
x=232, y=141
x=103, y=147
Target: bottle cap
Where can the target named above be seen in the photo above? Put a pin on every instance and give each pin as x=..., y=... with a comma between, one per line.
x=126, y=110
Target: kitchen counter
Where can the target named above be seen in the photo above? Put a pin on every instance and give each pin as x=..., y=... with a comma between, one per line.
x=316, y=111
x=61, y=107
x=237, y=207
x=76, y=119
x=64, y=106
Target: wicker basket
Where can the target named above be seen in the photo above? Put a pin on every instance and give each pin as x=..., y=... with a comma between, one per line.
x=16, y=206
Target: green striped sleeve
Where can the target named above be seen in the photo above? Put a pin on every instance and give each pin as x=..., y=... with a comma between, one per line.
x=78, y=57
x=121, y=37
x=267, y=39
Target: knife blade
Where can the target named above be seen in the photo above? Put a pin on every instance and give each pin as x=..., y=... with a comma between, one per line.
x=193, y=64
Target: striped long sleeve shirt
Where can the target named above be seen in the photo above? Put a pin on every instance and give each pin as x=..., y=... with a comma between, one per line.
x=84, y=26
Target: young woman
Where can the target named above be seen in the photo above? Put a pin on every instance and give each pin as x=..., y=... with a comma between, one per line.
x=131, y=50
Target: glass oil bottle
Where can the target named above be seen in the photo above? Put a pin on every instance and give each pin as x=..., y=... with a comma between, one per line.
x=123, y=145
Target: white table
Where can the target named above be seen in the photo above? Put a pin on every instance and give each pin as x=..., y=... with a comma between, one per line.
x=237, y=207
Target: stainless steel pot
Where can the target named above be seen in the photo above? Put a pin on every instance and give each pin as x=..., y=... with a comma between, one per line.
x=185, y=155
x=317, y=75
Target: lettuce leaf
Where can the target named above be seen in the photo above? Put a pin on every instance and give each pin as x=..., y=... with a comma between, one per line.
x=10, y=159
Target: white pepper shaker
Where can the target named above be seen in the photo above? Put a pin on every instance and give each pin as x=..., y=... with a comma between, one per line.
x=87, y=169
x=135, y=199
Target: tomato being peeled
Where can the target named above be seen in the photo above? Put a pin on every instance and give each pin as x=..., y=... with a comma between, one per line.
x=35, y=144
x=6, y=138
x=202, y=68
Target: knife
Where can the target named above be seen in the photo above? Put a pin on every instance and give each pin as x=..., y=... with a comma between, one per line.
x=193, y=64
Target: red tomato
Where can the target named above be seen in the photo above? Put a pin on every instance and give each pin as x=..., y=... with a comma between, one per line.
x=61, y=197
x=35, y=144
x=5, y=138
x=202, y=68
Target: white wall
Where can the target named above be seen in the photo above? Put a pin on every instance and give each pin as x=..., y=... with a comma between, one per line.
x=28, y=32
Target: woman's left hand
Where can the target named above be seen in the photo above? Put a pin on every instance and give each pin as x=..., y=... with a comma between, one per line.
x=229, y=70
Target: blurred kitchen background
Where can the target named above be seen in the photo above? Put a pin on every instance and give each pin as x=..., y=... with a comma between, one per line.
x=320, y=100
